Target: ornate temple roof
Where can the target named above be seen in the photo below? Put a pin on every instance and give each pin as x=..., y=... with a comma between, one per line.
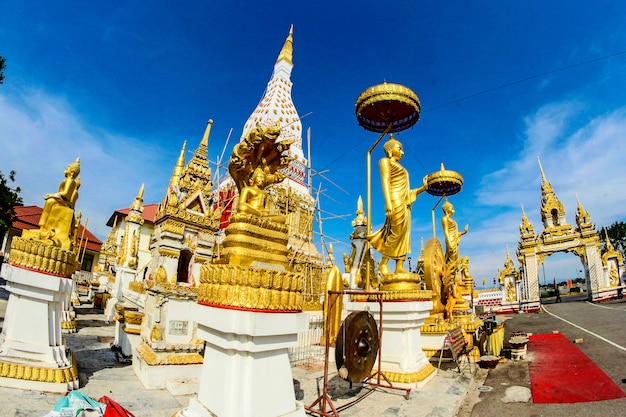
x=552, y=210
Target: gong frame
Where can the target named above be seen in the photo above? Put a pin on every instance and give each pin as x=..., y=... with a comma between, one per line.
x=324, y=399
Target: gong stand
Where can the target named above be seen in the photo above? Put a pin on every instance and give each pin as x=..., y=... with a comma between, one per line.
x=374, y=380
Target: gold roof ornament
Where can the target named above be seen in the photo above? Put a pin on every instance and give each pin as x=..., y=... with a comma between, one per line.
x=286, y=54
x=444, y=182
x=387, y=108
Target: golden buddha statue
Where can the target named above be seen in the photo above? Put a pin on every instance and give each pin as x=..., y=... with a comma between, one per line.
x=393, y=239
x=453, y=296
x=57, y=223
x=66, y=196
x=254, y=200
x=451, y=232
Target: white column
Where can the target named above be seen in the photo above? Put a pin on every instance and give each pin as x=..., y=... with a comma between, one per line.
x=246, y=371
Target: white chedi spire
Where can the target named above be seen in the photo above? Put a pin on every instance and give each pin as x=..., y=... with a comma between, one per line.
x=276, y=105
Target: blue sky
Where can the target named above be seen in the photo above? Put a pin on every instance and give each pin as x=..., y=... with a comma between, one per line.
x=122, y=84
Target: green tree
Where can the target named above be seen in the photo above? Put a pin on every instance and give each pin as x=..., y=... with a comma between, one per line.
x=9, y=198
x=2, y=67
x=617, y=236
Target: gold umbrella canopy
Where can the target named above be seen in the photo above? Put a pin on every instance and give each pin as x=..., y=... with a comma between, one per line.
x=387, y=105
x=444, y=182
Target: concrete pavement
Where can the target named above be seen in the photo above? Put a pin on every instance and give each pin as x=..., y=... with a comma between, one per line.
x=504, y=390
x=101, y=374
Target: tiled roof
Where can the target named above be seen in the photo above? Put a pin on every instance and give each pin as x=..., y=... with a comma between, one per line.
x=149, y=213
x=27, y=218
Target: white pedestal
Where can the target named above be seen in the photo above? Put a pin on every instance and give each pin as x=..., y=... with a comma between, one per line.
x=246, y=371
x=123, y=277
x=31, y=336
x=401, y=345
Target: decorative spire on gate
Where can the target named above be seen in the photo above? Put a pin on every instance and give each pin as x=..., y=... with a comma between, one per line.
x=552, y=210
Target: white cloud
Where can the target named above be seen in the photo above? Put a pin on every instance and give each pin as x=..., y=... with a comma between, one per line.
x=42, y=134
x=581, y=155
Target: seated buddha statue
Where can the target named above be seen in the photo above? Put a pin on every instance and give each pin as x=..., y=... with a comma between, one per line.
x=253, y=199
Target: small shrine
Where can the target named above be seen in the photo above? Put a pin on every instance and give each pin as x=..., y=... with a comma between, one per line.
x=33, y=353
x=186, y=223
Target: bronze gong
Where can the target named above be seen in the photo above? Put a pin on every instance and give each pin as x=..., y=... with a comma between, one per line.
x=357, y=346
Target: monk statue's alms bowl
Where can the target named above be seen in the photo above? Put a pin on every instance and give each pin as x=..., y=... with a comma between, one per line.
x=443, y=182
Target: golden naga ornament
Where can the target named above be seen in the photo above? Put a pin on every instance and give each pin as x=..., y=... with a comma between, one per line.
x=253, y=271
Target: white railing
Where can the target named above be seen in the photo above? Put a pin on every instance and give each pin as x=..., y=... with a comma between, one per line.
x=308, y=348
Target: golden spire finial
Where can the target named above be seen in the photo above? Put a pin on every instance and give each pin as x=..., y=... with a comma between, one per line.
x=286, y=54
x=359, y=206
x=609, y=245
x=140, y=194
x=543, y=175
x=180, y=165
x=207, y=132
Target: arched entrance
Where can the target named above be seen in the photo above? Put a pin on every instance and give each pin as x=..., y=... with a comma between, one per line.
x=559, y=236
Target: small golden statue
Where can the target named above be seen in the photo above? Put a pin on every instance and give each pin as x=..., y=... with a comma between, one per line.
x=57, y=223
x=393, y=239
x=254, y=200
x=451, y=232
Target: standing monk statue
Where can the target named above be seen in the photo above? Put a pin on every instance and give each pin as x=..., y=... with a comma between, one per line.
x=393, y=240
x=451, y=232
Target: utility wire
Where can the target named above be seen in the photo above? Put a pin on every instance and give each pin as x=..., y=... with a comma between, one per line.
x=489, y=90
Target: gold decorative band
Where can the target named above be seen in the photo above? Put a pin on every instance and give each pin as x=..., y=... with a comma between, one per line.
x=40, y=256
x=68, y=325
x=250, y=288
x=152, y=358
x=137, y=286
x=410, y=377
x=40, y=374
x=402, y=295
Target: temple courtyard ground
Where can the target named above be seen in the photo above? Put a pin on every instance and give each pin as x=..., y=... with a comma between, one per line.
x=504, y=390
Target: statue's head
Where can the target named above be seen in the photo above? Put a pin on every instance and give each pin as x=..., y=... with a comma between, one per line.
x=447, y=207
x=258, y=177
x=74, y=168
x=388, y=146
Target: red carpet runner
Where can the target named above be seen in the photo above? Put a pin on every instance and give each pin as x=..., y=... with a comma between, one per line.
x=562, y=373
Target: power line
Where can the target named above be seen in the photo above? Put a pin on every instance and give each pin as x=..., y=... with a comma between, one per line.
x=489, y=90
x=523, y=80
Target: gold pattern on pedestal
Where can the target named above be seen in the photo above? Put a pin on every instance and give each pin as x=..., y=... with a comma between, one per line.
x=40, y=374
x=253, y=271
x=50, y=248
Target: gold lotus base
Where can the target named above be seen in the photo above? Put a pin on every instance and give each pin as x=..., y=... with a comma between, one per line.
x=67, y=375
x=410, y=378
x=42, y=256
x=250, y=288
x=153, y=358
x=69, y=326
x=401, y=281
